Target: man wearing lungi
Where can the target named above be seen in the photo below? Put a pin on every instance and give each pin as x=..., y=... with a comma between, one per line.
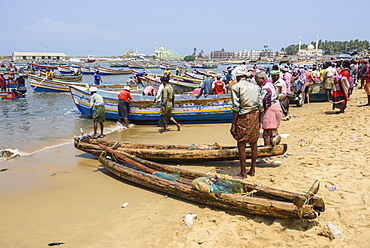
x=272, y=112
x=245, y=127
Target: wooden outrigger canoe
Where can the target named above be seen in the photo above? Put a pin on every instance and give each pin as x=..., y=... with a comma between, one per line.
x=178, y=153
x=250, y=199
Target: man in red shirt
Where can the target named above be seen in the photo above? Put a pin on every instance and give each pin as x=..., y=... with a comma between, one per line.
x=124, y=105
x=217, y=86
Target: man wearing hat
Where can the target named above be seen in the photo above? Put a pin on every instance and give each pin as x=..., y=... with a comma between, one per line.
x=124, y=98
x=245, y=126
x=97, y=101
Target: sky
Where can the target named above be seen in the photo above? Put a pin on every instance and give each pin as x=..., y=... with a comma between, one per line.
x=112, y=27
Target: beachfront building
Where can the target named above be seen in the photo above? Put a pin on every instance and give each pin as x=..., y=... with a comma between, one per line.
x=249, y=54
x=34, y=56
x=222, y=55
x=311, y=52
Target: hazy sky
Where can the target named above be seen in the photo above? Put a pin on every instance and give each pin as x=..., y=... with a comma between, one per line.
x=111, y=27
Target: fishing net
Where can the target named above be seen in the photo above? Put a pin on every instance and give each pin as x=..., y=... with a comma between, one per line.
x=213, y=185
x=164, y=175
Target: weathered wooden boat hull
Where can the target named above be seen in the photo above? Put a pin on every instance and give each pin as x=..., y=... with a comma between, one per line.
x=52, y=67
x=176, y=153
x=265, y=201
x=187, y=109
x=316, y=92
x=108, y=71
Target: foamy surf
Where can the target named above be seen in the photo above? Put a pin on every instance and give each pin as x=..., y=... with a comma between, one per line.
x=9, y=153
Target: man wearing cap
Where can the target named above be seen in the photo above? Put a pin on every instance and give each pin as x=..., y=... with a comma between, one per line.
x=124, y=98
x=97, y=101
x=217, y=86
x=245, y=126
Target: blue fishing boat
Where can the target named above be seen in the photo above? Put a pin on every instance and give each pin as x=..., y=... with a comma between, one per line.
x=187, y=108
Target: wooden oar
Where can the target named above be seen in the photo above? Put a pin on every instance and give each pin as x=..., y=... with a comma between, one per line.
x=40, y=83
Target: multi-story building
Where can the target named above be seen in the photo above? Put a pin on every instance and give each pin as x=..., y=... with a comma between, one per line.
x=222, y=55
x=249, y=54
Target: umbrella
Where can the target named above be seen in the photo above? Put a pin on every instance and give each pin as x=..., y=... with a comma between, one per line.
x=344, y=55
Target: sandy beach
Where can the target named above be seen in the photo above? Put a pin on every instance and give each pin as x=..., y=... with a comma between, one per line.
x=64, y=195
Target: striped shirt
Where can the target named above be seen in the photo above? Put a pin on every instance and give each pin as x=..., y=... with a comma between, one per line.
x=269, y=94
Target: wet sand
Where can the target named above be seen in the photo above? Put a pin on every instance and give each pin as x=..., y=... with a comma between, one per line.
x=64, y=195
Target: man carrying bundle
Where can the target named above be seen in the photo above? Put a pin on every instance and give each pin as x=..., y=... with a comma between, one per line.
x=245, y=126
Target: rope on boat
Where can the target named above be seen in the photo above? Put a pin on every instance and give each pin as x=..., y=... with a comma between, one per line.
x=308, y=197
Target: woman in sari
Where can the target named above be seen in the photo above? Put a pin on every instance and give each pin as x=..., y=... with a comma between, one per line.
x=340, y=93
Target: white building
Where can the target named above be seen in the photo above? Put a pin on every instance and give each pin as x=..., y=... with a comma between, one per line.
x=161, y=52
x=311, y=52
x=222, y=55
x=249, y=54
x=32, y=56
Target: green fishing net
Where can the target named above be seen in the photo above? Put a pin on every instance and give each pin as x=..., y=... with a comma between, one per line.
x=164, y=175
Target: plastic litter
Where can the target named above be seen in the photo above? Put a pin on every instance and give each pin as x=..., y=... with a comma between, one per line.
x=124, y=205
x=334, y=231
x=332, y=187
x=285, y=135
x=189, y=219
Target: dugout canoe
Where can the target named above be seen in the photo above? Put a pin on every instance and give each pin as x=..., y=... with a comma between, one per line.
x=251, y=199
x=177, y=153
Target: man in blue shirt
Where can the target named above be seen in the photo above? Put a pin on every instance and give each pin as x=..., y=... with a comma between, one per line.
x=228, y=75
x=206, y=86
x=97, y=78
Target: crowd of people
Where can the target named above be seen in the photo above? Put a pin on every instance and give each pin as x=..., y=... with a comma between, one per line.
x=261, y=97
